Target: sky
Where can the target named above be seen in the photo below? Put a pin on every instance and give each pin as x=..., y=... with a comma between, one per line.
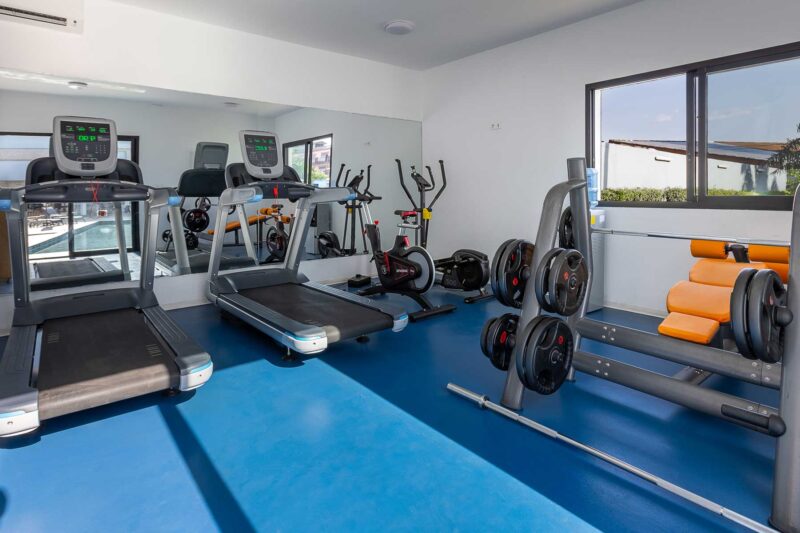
x=751, y=104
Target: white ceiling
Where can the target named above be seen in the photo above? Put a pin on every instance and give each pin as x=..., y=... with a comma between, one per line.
x=446, y=30
x=35, y=83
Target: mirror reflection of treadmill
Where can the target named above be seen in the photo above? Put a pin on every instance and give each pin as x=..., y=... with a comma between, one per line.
x=302, y=315
x=80, y=350
x=63, y=273
x=205, y=180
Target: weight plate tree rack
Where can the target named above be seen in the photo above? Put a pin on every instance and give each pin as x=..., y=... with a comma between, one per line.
x=684, y=388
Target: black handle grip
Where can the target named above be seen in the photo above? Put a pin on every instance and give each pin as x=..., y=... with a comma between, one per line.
x=772, y=425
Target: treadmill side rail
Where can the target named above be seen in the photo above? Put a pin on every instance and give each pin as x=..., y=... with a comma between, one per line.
x=398, y=314
x=19, y=402
x=193, y=362
x=300, y=337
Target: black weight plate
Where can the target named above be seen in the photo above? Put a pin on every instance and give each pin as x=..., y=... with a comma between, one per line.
x=520, y=360
x=495, y=278
x=166, y=235
x=764, y=295
x=541, y=282
x=514, y=270
x=500, y=340
x=566, y=237
x=739, y=325
x=203, y=203
x=485, y=334
x=547, y=356
x=276, y=243
x=196, y=220
x=192, y=242
x=568, y=280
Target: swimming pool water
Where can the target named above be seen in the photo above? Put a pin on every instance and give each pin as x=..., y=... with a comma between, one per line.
x=101, y=235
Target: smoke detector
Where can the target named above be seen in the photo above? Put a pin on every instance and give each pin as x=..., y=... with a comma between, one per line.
x=399, y=27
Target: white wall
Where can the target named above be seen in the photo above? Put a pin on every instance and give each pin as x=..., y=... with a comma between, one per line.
x=360, y=140
x=167, y=134
x=535, y=90
x=130, y=45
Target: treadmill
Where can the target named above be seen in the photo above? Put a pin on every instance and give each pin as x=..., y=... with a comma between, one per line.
x=275, y=298
x=59, y=274
x=80, y=350
x=205, y=180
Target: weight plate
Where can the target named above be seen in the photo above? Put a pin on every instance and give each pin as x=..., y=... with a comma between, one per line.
x=495, y=279
x=566, y=237
x=739, y=325
x=500, y=340
x=276, y=243
x=427, y=272
x=513, y=272
x=520, y=360
x=547, y=355
x=541, y=282
x=567, y=282
x=203, y=203
x=166, y=235
x=192, y=241
x=327, y=243
x=765, y=295
x=196, y=220
x=485, y=335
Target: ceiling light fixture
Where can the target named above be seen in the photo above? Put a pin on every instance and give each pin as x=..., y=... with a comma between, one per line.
x=399, y=27
x=77, y=85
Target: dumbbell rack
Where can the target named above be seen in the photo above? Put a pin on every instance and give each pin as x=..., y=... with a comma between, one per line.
x=684, y=389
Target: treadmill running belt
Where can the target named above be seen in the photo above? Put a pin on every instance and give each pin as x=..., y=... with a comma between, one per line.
x=75, y=267
x=100, y=358
x=310, y=306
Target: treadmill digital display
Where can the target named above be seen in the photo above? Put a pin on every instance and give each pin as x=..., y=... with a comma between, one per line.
x=261, y=150
x=85, y=142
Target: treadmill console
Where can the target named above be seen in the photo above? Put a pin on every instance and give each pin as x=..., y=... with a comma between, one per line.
x=85, y=146
x=262, y=155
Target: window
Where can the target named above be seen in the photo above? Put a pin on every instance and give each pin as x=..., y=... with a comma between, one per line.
x=66, y=230
x=311, y=158
x=717, y=134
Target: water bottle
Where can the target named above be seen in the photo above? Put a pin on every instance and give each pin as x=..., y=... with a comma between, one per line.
x=591, y=184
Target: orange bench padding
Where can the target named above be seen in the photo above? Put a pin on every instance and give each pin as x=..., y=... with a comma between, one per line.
x=719, y=272
x=707, y=301
x=232, y=226
x=769, y=254
x=781, y=268
x=689, y=328
x=710, y=249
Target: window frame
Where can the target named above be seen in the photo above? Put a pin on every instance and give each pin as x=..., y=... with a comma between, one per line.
x=696, y=75
x=309, y=149
x=134, y=246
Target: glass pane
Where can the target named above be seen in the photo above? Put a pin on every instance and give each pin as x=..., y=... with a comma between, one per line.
x=321, y=161
x=296, y=158
x=641, y=133
x=754, y=130
x=95, y=227
x=16, y=151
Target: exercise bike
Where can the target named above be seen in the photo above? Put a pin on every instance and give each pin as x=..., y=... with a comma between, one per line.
x=466, y=270
x=406, y=270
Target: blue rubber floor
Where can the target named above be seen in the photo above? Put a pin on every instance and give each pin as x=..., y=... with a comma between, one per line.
x=366, y=437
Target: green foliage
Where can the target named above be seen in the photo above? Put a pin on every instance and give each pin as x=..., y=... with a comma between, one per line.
x=788, y=157
x=792, y=180
x=678, y=194
x=317, y=176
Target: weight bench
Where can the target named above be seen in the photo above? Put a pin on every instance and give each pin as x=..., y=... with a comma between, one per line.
x=236, y=226
x=699, y=309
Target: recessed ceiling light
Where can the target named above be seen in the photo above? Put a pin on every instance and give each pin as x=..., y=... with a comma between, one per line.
x=399, y=27
x=77, y=85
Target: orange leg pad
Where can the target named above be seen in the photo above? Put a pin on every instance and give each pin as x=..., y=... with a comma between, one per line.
x=689, y=328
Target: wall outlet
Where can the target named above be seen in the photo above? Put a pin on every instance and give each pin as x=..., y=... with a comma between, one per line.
x=494, y=126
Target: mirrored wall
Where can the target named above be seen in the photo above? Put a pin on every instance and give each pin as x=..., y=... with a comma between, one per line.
x=161, y=131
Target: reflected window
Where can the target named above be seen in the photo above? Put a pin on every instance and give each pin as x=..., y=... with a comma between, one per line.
x=311, y=159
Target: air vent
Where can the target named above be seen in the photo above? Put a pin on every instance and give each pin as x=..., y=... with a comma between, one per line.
x=9, y=11
x=62, y=15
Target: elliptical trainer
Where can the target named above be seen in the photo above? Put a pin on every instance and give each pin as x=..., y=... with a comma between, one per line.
x=466, y=269
x=328, y=243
